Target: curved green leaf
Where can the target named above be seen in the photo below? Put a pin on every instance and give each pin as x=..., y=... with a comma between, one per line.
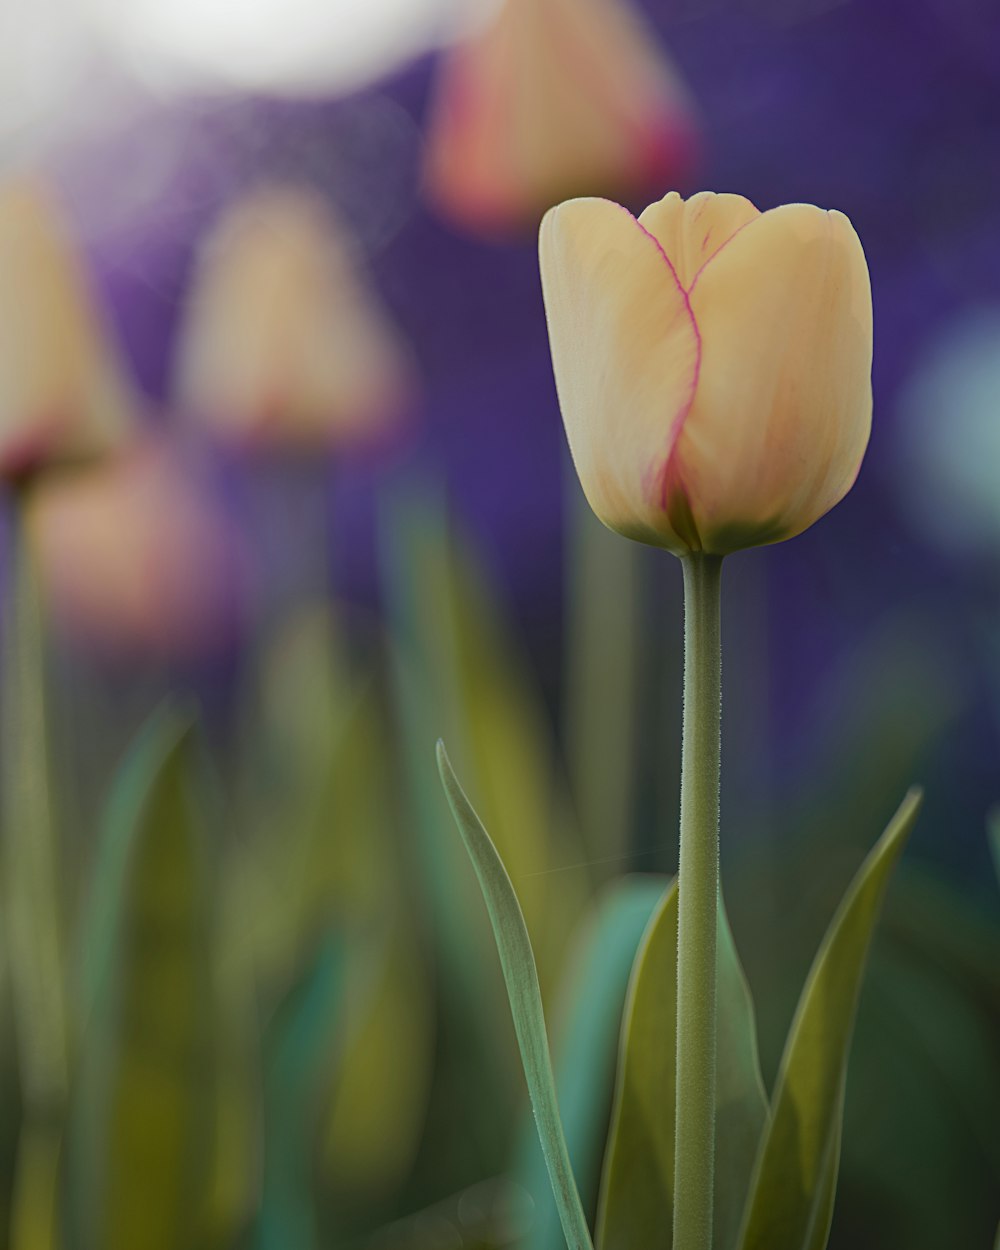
x=994, y=837
x=296, y=1061
x=790, y=1203
x=521, y=977
x=589, y=1015
x=637, y=1189
x=139, y=1147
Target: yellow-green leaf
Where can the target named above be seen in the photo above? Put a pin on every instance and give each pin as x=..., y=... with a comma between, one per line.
x=790, y=1203
x=139, y=1147
x=637, y=1192
x=518, y=963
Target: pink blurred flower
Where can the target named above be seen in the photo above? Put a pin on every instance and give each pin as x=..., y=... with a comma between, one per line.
x=137, y=557
x=554, y=98
x=63, y=393
x=284, y=342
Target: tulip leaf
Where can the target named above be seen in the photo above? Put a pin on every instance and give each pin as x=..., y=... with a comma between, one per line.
x=790, y=1202
x=297, y=1051
x=637, y=1188
x=589, y=1012
x=520, y=974
x=139, y=1145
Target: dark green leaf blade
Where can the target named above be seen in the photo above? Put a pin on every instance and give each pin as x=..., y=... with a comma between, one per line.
x=790, y=1204
x=637, y=1190
x=521, y=977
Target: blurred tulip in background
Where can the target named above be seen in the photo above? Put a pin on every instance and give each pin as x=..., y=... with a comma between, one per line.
x=137, y=557
x=713, y=364
x=63, y=393
x=553, y=98
x=284, y=344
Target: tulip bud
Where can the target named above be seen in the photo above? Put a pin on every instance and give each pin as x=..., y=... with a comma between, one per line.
x=283, y=342
x=713, y=364
x=63, y=395
x=136, y=557
x=554, y=98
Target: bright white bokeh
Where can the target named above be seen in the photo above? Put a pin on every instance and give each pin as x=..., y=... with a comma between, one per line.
x=67, y=65
x=277, y=45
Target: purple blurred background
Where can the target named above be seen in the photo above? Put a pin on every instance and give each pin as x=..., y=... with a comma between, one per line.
x=889, y=111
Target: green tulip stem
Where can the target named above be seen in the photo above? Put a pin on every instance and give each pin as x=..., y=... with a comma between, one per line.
x=698, y=887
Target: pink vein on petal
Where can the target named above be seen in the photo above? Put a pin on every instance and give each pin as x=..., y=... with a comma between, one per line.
x=662, y=476
x=724, y=244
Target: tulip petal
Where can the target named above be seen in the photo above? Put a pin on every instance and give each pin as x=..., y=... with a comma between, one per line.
x=692, y=231
x=782, y=413
x=625, y=351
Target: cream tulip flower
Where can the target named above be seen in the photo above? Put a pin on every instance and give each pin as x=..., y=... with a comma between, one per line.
x=713, y=364
x=63, y=392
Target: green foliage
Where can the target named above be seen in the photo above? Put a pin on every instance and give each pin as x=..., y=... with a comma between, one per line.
x=636, y=1200
x=141, y=1126
x=521, y=977
x=297, y=1050
x=589, y=1012
x=457, y=673
x=790, y=1202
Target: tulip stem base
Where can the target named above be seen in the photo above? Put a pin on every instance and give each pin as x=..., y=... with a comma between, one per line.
x=698, y=887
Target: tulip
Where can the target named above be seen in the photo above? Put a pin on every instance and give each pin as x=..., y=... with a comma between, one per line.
x=283, y=343
x=63, y=395
x=713, y=364
x=553, y=98
x=135, y=556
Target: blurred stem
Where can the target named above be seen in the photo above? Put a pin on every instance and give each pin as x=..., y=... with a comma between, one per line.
x=601, y=682
x=31, y=901
x=698, y=887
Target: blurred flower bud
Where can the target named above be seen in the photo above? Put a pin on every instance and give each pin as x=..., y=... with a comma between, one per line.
x=137, y=557
x=554, y=98
x=713, y=364
x=63, y=394
x=284, y=344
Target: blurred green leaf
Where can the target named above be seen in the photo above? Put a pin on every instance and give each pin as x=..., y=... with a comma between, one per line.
x=377, y=1110
x=297, y=1062
x=589, y=1014
x=923, y=1102
x=458, y=673
x=518, y=963
x=139, y=1149
x=469, y=681
x=637, y=1188
x=32, y=886
x=790, y=1203
x=602, y=679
